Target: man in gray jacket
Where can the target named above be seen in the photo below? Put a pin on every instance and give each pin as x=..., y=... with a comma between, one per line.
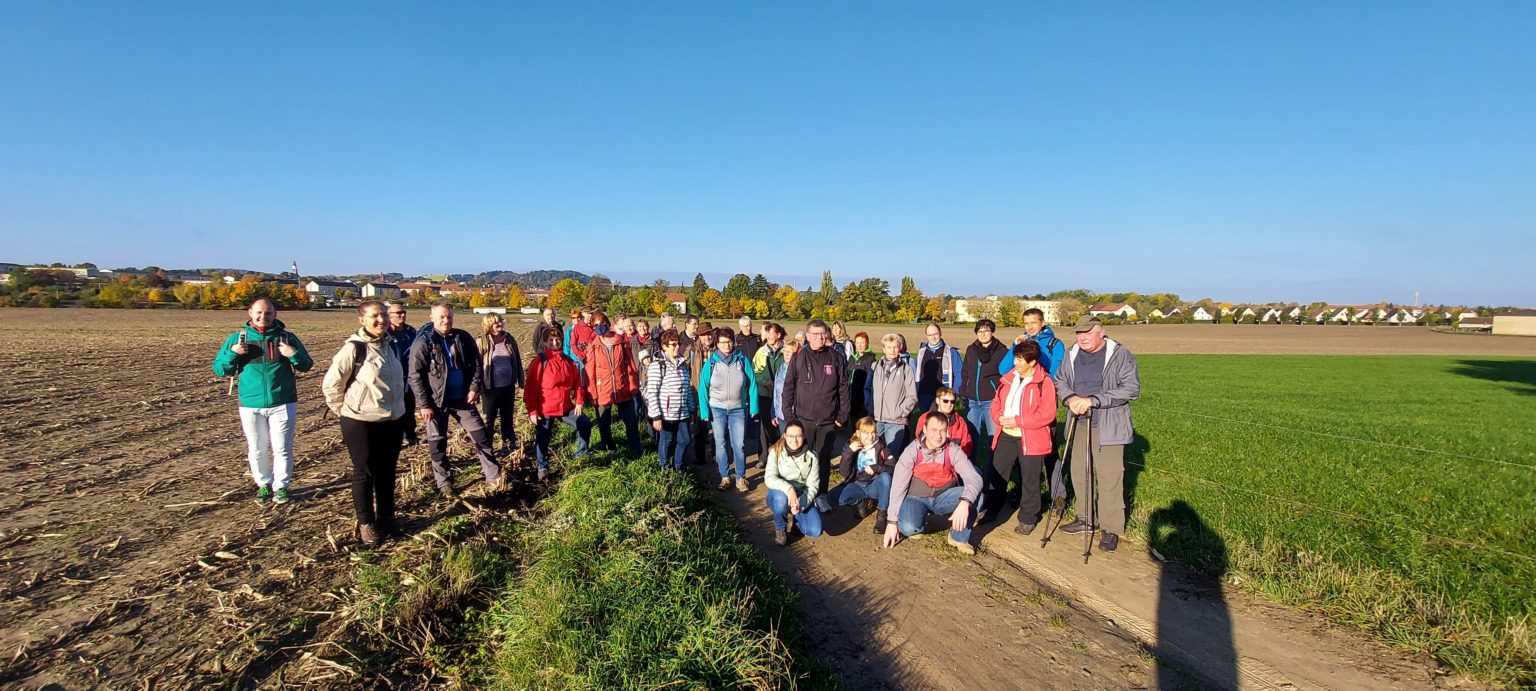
x=1097, y=382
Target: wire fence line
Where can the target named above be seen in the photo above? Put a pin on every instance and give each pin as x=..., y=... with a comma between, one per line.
x=1527, y=466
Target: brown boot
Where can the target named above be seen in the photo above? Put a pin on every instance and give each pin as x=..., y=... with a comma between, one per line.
x=369, y=535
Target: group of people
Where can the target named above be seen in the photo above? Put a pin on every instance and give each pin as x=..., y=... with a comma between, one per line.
x=903, y=425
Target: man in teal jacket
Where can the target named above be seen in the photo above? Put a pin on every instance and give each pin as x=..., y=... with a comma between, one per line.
x=263, y=355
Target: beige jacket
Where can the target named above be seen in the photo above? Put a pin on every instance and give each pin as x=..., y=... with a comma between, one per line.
x=378, y=393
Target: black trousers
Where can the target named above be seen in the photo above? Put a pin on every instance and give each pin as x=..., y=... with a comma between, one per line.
x=822, y=438
x=499, y=405
x=1008, y=454
x=768, y=435
x=408, y=423
x=375, y=449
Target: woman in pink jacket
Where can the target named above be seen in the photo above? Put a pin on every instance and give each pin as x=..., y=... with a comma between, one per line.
x=1022, y=414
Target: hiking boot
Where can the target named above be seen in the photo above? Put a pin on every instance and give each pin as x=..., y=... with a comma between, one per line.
x=369, y=535
x=962, y=547
x=866, y=507
x=1024, y=528
x=282, y=496
x=725, y=484
x=742, y=485
x=448, y=494
x=1109, y=542
x=880, y=521
x=780, y=537
x=263, y=494
x=391, y=530
x=502, y=483
x=543, y=474
x=1077, y=527
x=762, y=464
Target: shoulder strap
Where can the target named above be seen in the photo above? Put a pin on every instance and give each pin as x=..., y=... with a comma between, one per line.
x=359, y=353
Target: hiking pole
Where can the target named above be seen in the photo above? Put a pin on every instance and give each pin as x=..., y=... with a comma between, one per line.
x=1066, y=456
x=1093, y=495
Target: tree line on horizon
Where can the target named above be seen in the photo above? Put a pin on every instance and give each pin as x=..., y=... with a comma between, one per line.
x=863, y=300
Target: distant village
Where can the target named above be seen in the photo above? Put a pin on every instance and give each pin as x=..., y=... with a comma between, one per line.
x=156, y=286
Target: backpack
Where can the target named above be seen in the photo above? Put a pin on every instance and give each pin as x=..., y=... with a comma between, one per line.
x=359, y=353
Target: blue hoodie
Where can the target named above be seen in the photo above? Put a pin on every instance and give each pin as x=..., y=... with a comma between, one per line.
x=1052, y=352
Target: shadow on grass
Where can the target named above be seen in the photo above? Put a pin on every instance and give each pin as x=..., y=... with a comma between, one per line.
x=1520, y=374
x=1194, y=624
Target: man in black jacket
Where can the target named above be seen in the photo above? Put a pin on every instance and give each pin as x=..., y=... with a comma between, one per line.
x=445, y=376
x=816, y=395
x=978, y=386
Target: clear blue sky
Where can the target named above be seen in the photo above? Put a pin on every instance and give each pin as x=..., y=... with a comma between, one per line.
x=1348, y=152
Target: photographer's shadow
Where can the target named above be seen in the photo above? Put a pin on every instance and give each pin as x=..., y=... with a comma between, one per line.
x=1194, y=625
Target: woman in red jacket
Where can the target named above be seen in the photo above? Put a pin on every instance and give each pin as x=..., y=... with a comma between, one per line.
x=1022, y=414
x=554, y=392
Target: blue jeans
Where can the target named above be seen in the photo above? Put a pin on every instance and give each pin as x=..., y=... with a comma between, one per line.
x=878, y=489
x=809, y=519
x=894, y=434
x=672, y=443
x=545, y=428
x=979, y=414
x=915, y=510
x=730, y=428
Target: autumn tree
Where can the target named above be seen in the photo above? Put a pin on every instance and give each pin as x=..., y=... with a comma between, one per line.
x=566, y=295
x=515, y=298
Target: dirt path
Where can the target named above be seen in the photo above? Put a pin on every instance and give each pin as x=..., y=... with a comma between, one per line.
x=1018, y=616
x=923, y=616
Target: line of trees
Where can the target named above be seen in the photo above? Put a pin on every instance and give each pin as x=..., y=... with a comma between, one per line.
x=865, y=300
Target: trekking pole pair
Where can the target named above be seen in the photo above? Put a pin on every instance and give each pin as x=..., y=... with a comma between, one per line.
x=1066, y=457
x=1085, y=495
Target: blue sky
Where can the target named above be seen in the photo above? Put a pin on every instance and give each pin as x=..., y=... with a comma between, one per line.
x=1348, y=152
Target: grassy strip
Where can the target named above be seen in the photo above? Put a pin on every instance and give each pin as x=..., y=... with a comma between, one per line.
x=636, y=581
x=625, y=577
x=1426, y=550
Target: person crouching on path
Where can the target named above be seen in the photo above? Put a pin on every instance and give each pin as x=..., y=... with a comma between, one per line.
x=502, y=362
x=264, y=356
x=933, y=476
x=727, y=399
x=365, y=388
x=669, y=399
x=1022, y=414
x=444, y=372
x=792, y=475
x=867, y=465
x=613, y=380
x=555, y=393
x=1097, y=381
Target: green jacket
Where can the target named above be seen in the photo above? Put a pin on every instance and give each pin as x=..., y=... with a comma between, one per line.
x=266, y=377
x=765, y=366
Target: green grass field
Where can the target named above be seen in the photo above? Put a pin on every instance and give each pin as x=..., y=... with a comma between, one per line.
x=1393, y=493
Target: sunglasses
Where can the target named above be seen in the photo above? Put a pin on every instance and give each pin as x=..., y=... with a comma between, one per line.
x=947, y=401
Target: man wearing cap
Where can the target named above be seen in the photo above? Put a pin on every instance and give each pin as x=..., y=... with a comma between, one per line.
x=1097, y=381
